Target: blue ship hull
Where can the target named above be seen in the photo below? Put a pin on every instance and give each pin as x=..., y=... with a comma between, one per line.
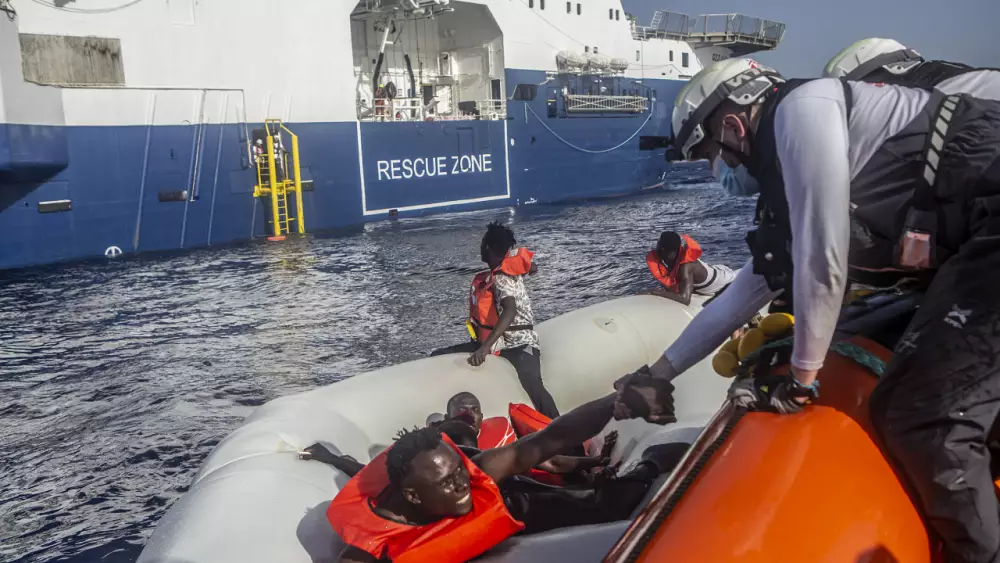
x=115, y=177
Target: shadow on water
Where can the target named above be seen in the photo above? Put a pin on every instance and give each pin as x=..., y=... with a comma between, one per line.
x=119, y=377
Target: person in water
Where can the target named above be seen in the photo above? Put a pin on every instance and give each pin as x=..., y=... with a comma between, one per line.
x=500, y=313
x=858, y=179
x=676, y=264
x=423, y=499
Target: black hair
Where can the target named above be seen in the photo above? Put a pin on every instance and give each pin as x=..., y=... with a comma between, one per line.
x=669, y=241
x=499, y=237
x=459, y=432
x=460, y=396
x=409, y=443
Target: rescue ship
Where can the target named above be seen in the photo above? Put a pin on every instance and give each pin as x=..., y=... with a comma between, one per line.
x=144, y=125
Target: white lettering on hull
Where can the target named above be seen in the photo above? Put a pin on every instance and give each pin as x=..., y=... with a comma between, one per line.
x=429, y=167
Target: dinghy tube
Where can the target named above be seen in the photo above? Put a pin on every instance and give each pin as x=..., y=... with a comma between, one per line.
x=254, y=501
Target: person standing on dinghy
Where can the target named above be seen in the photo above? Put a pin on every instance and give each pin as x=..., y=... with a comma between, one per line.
x=676, y=264
x=423, y=499
x=501, y=320
x=858, y=179
x=502, y=295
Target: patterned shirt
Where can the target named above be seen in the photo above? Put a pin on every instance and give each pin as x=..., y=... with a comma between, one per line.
x=513, y=286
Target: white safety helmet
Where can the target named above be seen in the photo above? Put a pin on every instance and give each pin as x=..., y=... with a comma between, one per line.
x=862, y=57
x=740, y=80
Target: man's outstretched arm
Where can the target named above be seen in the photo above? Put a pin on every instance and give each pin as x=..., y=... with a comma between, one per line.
x=566, y=431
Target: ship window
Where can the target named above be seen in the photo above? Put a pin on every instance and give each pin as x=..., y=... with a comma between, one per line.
x=637, y=55
x=611, y=13
x=531, y=3
x=541, y=4
x=671, y=56
x=578, y=9
x=63, y=60
x=586, y=49
x=684, y=60
x=617, y=15
x=569, y=7
x=595, y=50
x=525, y=92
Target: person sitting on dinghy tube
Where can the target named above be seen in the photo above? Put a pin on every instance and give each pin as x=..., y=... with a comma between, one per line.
x=856, y=179
x=676, y=264
x=423, y=499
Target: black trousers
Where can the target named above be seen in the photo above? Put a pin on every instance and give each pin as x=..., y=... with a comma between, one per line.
x=546, y=508
x=934, y=408
x=527, y=361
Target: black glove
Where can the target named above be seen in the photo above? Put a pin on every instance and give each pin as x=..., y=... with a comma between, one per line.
x=641, y=395
x=780, y=394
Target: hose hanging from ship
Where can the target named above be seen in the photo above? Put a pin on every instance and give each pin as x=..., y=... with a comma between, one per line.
x=652, y=112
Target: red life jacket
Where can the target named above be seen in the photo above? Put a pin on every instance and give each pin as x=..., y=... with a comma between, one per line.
x=495, y=432
x=449, y=540
x=688, y=253
x=482, y=304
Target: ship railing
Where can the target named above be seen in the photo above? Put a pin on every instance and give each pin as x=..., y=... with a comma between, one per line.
x=735, y=28
x=493, y=110
x=712, y=29
x=395, y=109
x=583, y=103
x=413, y=109
x=665, y=25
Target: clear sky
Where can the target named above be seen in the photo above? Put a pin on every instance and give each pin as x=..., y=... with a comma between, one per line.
x=966, y=31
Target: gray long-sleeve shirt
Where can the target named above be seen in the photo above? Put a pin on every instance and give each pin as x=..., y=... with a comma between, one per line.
x=820, y=153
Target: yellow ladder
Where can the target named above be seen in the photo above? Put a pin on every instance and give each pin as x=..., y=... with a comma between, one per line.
x=270, y=187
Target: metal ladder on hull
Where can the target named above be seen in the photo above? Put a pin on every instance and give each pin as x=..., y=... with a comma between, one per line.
x=274, y=185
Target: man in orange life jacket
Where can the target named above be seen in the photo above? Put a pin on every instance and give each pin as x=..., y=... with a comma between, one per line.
x=500, y=313
x=425, y=500
x=492, y=432
x=676, y=264
x=497, y=431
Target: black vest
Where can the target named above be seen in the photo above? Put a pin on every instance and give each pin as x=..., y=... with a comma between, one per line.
x=926, y=75
x=892, y=193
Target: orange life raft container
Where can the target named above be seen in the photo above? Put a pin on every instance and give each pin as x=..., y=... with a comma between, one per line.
x=762, y=488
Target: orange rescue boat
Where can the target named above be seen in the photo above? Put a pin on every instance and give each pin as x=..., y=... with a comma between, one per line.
x=765, y=488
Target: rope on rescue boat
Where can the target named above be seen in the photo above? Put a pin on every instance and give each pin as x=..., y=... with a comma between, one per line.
x=846, y=349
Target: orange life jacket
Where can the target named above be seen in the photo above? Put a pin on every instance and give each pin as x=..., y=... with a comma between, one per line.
x=495, y=432
x=527, y=420
x=449, y=540
x=688, y=253
x=482, y=308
